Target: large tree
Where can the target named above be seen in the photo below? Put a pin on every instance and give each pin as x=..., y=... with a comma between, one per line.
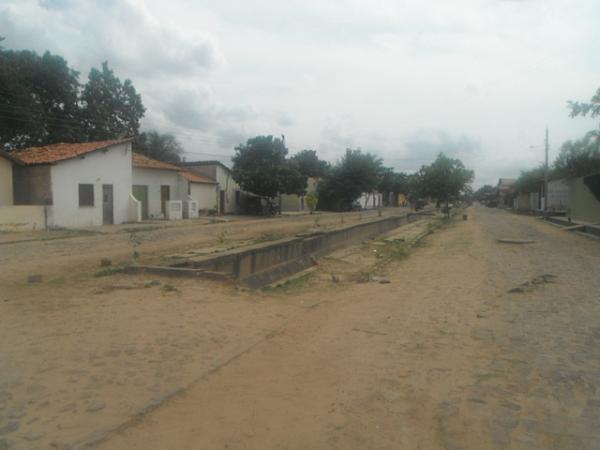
x=445, y=179
x=354, y=174
x=110, y=108
x=38, y=100
x=164, y=147
x=392, y=182
x=584, y=108
x=260, y=166
x=309, y=164
x=484, y=192
x=580, y=157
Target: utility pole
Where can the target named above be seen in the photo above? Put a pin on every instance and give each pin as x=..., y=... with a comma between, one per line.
x=546, y=176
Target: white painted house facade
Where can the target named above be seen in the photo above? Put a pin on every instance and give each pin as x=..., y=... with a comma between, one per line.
x=81, y=185
x=229, y=193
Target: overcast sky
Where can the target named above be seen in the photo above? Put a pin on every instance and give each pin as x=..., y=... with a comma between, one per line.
x=477, y=79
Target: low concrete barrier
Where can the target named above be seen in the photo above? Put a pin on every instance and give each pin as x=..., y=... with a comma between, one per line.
x=25, y=217
x=264, y=263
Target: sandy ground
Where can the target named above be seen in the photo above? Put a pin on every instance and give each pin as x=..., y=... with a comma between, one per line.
x=441, y=357
x=67, y=254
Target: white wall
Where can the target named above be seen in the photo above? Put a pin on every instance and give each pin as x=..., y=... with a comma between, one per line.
x=111, y=166
x=371, y=200
x=154, y=179
x=227, y=184
x=204, y=194
x=25, y=217
x=6, y=182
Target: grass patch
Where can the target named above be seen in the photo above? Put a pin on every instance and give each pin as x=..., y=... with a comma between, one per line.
x=108, y=271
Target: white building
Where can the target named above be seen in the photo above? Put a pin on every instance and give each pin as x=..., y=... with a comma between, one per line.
x=229, y=199
x=6, y=178
x=297, y=203
x=201, y=189
x=371, y=200
x=81, y=185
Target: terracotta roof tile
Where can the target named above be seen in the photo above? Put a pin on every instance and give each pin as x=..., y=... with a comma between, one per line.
x=59, y=152
x=144, y=162
x=195, y=178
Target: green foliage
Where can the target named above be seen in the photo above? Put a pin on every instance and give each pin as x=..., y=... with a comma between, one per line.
x=38, y=100
x=164, y=147
x=260, y=166
x=311, y=201
x=392, y=182
x=583, y=109
x=580, y=157
x=355, y=173
x=485, y=192
x=110, y=109
x=444, y=180
x=308, y=164
x=529, y=180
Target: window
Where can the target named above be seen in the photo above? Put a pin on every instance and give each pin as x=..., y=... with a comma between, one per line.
x=237, y=198
x=86, y=195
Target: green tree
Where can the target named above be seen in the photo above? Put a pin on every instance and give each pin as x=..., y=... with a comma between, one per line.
x=584, y=108
x=354, y=174
x=580, y=157
x=164, y=147
x=529, y=180
x=260, y=166
x=110, y=108
x=309, y=164
x=38, y=100
x=484, y=192
x=445, y=179
x=392, y=182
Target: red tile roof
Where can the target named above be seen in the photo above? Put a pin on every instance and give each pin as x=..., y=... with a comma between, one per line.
x=195, y=178
x=144, y=162
x=59, y=152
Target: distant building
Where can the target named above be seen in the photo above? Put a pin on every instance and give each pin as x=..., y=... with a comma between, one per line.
x=230, y=197
x=505, y=186
x=297, y=203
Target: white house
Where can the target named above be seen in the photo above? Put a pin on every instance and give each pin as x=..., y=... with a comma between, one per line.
x=6, y=178
x=155, y=183
x=229, y=200
x=81, y=184
x=202, y=189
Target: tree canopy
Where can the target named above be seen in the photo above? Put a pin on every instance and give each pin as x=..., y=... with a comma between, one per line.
x=261, y=166
x=355, y=173
x=38, y=99
x=584, y=108
x=445, y=179
x=164, y=147
x=110, y=108
x=42, y=102
x=308, y=164
x=580, y=157
x=484, y=192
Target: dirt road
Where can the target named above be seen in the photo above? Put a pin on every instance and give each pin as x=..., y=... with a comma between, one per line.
x=442, y=357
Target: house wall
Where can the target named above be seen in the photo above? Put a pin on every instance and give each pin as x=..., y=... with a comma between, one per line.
x=25, y=217
x=522, y=202
x=558, y=195
x=292, y=203
x=227, y=184
x=154, y=179
x=583, y=205
x=204, y=194
x=111, y=166
x=6, y=182
x=32, y=185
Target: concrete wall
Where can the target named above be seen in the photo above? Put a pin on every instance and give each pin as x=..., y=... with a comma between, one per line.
x=154, y=179
x=111, y=166
x=205, y=195
x=583, y=205
x=6, y=182
x=25, y=217
x=32, y=185
x=135, y=209
x=292, y=203
x=558, y=195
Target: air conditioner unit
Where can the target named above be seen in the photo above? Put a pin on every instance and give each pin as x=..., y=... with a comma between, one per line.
x=174, y=209
x=190, y=209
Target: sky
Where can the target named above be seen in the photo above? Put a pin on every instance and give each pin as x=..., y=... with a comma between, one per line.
x=476, y=79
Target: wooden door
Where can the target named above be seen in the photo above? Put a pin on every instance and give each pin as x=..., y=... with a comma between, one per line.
x=165, y=196
x=222, y=202
x=107, y=204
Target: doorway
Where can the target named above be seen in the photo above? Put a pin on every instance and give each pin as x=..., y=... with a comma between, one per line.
x=165, y=196
x=222, y=202
x=141, y=194
x=107, y=204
